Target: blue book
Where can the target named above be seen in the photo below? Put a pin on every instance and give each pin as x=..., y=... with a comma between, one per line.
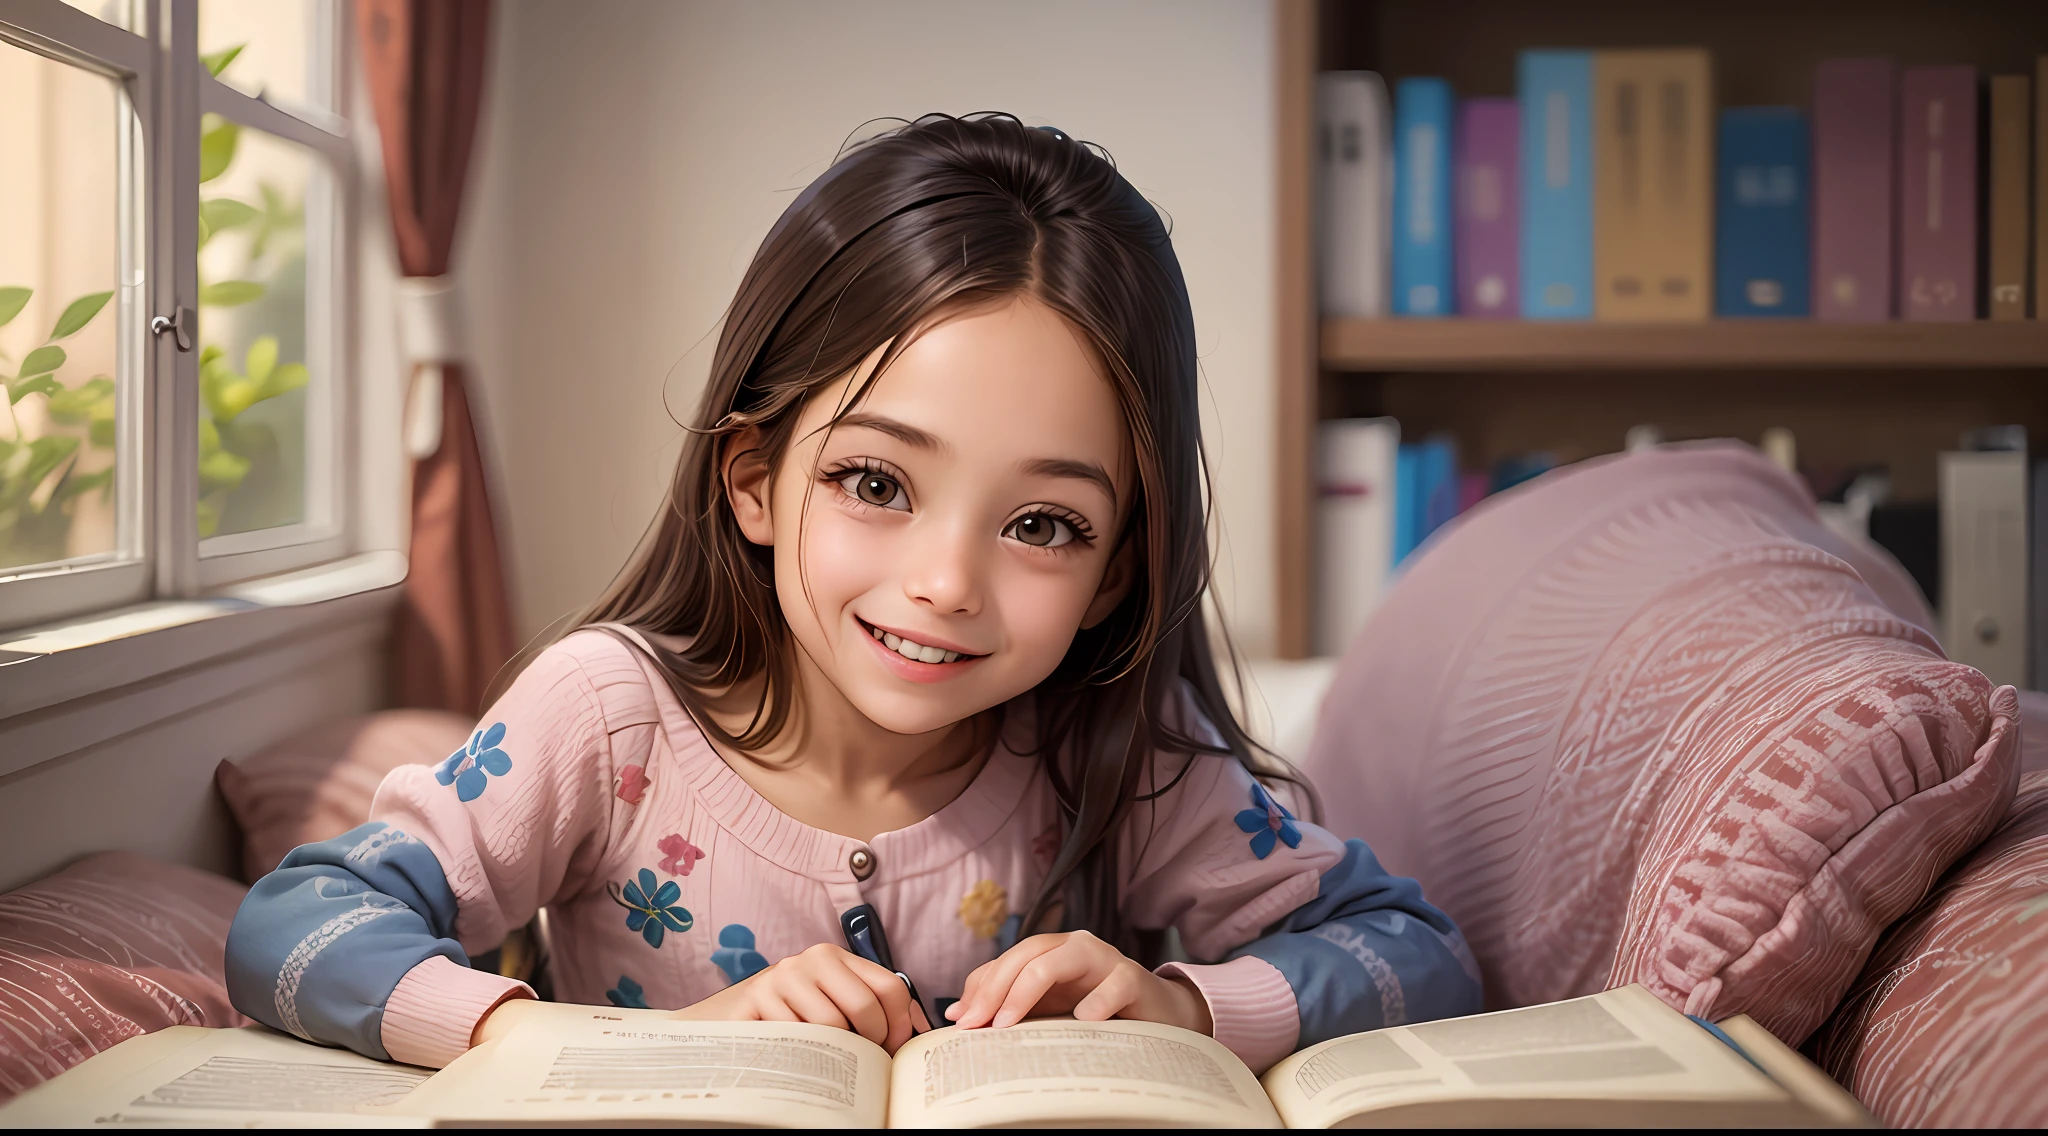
x=1763, y=182
x=1425, y=492
x=1556, y=91
x=1423, y=284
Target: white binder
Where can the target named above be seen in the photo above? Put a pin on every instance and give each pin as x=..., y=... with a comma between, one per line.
x=1354, y=193
x=1984, y=554
x=1354, y=523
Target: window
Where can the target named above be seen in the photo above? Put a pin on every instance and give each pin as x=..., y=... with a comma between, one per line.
x=172, y=316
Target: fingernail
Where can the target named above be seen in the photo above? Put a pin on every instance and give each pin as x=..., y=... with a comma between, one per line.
x=953, y=1012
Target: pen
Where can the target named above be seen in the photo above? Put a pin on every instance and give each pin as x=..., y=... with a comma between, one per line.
x=864, y=937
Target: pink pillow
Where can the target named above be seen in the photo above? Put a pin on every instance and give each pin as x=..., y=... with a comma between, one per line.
x=113, y=946
x=319, y=784
x=1646, y=720
x=1947, y=1027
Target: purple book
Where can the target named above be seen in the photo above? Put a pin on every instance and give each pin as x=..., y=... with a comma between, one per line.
x=1938, y=193
x=1855, y=133
x=1487, y=240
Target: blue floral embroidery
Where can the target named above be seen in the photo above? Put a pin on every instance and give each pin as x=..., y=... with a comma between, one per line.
x=628, y=994
x=1268, y=823
x=1006, y=935
x=467, y=767
x=651, y=910
x=736, y=955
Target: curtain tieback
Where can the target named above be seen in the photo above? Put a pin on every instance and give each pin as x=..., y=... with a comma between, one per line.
x=427, y=334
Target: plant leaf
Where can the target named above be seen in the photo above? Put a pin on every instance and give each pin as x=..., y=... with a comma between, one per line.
x=79, y=484
x=262, y=358
x=229, y=293
x=48, y=357
x=289, y=377
x=222, y=470
x=222, y=213
x=12, y=300
x=217, y=62
x=102, y=429
x=79, y=314
x=35, y=384
x=216, y=146
x=46, y=453
x=210, y=352
x=71, y=405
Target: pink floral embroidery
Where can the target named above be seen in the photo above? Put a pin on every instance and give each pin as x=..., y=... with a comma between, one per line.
x=633, y=783
x=682, y=855
x=1046, y=845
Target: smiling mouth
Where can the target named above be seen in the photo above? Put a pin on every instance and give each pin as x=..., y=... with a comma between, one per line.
x=914, y=651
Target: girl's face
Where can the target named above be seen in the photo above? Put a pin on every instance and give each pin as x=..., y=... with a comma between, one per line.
x=938, y=548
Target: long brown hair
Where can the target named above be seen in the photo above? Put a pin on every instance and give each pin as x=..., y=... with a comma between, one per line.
x=919, y=222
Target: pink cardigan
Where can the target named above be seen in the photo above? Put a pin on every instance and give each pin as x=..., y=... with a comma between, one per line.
x=666, y=876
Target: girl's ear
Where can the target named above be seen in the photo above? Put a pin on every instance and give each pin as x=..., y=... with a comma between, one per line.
x=748, y=481
x=1116, y=584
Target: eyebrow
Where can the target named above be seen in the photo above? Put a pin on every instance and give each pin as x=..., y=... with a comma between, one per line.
x=901, y=431
x=1067, y=467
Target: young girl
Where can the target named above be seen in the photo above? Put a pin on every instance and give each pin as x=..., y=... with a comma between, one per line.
x=914, y=657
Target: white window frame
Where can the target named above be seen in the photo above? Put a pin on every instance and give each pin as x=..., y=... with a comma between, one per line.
x=159, y=553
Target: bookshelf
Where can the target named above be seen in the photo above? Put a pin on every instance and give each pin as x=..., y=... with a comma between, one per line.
x=1853, y=394
x=1503, y=345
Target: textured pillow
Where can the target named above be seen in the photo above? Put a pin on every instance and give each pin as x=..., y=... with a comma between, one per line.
x=114, y=946
x=319, y=784
x=1948, y=1025
x=1647, y=720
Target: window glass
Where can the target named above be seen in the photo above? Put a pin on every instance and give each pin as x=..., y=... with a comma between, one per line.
x=269, y=42
x=253, y=364
x=60, y=265
x=120, y=13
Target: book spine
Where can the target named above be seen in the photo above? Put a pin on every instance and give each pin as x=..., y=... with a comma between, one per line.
x=2040, y=197
x=2037, y=597
x=1938, y=193
x=1355, y=527
x=1855, y=137
x=1556, y=91
x=2007, y=240
x=1761, y=248
x=1652, y=184
x=1422, y=198
x=1485, y=241
x=1354, y=201
x=1409, y=497
x=1984, y=562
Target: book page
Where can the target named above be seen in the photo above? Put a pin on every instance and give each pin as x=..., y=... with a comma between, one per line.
x=249, y=1077
x=588, y=1063
x=1618, y=1046
x=1057, y=1071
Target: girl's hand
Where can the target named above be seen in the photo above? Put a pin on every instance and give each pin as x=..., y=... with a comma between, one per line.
x=825, y=985
x=1077, y=972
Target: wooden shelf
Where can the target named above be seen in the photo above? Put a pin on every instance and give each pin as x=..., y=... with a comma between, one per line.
x=1503, y=345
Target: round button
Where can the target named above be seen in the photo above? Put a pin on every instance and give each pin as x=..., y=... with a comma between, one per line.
x=862, y=862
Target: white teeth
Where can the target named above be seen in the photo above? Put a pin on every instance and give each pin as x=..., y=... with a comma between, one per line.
x=916, y=652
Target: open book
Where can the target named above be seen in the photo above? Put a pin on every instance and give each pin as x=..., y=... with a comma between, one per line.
x=1617, y=1058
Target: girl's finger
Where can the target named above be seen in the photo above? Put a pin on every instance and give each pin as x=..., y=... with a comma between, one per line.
x=1039, y=976
x=811, y=1005
x=766, y=1007
x=968, y=989
x=1120, y=990
x=861, y=1000
x=978, y=1005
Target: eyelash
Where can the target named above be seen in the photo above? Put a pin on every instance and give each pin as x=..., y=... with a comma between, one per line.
x=1076, y=524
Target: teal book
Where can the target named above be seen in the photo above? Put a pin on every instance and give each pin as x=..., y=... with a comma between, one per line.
x=1556, y=92
x=1423, y=284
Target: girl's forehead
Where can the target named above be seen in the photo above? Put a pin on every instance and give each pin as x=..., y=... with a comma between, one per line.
x=1004, y=384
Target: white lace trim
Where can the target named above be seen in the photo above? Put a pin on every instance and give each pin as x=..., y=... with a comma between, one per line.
x=373, y=906
x=1393, y=1001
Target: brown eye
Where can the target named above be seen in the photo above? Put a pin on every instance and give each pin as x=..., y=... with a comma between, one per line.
x=1041, y=531
x=879, y=490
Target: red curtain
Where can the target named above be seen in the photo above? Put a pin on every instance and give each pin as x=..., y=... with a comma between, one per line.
x=425, y=65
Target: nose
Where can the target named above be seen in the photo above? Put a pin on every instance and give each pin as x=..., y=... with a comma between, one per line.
x=942, y=571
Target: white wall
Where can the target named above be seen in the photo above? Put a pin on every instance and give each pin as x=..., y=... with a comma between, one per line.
x=634, y=153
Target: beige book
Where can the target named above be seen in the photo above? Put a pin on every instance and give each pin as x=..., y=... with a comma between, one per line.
x=2008, y=237
x=1612, y=1059
x=1653, y=184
